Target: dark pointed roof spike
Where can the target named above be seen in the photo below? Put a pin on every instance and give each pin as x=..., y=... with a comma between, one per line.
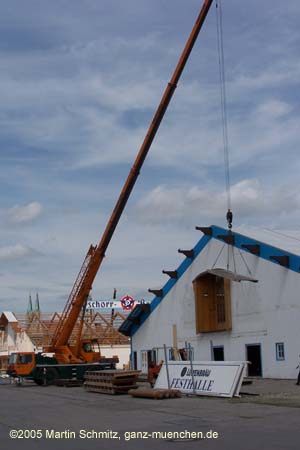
x=171, y=273
x=187, y=253
x=205, y=230
x=156, y=292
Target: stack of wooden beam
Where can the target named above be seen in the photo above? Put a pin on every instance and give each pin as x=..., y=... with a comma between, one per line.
x=155, y=393
x=111, y=381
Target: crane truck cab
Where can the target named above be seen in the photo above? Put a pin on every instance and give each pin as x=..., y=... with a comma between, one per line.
x=21, y=364
x=29, y=365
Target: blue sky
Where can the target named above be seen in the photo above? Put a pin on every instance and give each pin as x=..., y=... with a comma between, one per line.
x=79, y=83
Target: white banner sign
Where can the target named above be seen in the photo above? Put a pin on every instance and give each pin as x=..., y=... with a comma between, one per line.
x=218, y=378
x=127, y=303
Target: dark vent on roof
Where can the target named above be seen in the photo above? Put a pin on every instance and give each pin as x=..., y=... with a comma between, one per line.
x=282, y=260
x=228, y=238
x=253, y=248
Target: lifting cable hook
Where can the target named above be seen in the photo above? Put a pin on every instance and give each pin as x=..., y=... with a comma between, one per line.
x=229, y=217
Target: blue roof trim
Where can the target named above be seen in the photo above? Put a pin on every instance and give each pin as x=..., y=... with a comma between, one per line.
x=265, y=252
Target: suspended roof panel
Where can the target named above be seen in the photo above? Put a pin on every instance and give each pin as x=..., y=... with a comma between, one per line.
x=229, y=275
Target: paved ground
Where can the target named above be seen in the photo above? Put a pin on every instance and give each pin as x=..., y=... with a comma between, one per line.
x=272, y=392
x=248, y=423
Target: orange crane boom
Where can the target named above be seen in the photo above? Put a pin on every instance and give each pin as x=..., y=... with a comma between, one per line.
x=95, y=255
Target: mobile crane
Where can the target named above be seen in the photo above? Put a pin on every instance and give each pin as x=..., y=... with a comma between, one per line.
x=67, y=359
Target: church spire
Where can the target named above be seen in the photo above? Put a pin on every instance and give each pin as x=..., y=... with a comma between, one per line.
x=37, y=305
x=29, y=308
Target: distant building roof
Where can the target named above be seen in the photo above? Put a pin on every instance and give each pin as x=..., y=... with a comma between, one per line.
x=9, y=316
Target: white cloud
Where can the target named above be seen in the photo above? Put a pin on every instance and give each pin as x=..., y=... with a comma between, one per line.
x=273, y=109
x=185, y=204
x=15, y=252
x=284, y=72
x=24, y=213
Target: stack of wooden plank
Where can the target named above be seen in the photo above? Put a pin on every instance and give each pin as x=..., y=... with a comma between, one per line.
x=155, y=393
x=111, y=381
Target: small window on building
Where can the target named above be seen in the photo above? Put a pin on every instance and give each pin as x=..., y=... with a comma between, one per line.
x=280, y=355
x=171, y=354
x=218, y=353
x=134, y=360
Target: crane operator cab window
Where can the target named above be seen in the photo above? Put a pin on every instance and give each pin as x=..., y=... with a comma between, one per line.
x=87, y=347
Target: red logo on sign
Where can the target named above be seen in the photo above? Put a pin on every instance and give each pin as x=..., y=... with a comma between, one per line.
x=127, y=302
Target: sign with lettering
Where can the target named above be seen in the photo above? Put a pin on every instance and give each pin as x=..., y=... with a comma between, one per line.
x=217, y=378
x=127, y=303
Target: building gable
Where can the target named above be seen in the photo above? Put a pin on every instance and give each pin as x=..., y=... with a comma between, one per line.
x=262, y=250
